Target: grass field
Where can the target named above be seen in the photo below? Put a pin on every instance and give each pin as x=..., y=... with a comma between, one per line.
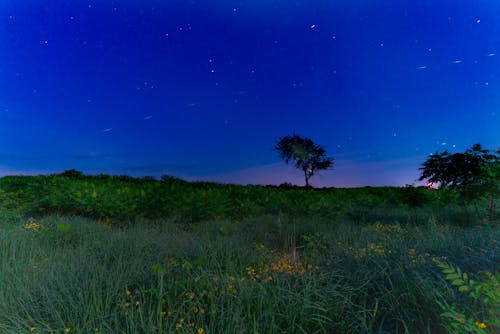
x=231, y=259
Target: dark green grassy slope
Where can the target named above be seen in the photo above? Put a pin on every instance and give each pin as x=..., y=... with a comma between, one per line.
x=120, y=199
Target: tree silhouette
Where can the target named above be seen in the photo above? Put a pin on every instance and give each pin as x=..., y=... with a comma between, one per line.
x=306, y=155
x=473, y=167
x=475, y=173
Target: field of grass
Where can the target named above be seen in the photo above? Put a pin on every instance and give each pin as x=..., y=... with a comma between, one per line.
x=206, y=258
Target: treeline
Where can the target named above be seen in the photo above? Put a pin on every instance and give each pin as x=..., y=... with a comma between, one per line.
x=124, y=199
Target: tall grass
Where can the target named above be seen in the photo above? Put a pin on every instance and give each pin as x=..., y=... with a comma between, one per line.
x=76, y=275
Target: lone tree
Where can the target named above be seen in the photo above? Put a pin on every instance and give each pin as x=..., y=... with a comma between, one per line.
x=475, y=174
x=306, y=155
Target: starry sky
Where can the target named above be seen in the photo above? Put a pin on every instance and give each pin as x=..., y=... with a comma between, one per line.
x=203, y=89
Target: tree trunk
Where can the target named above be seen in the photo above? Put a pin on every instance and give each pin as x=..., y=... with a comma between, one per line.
x=306, y=175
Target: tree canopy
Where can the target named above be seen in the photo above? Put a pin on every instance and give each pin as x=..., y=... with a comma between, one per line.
x=305, y=154
x=473, y=167
x=475, y=173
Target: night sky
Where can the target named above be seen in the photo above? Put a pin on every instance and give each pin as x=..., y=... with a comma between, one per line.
x=203, y=89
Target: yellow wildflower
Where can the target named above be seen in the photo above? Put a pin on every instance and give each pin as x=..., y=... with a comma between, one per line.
x=32, y=329
x=67, y=330
x=128, y=293
x=200, y=331
x=32, y=226
x=480, y=324
x=195, y=310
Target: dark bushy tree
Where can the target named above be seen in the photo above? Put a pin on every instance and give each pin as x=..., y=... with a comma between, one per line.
x=458, y=169
x=73, y=173
x=475, y=173
x=305, y=154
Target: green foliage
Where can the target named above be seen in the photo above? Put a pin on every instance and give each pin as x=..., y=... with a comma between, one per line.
x=313, y=241
x=91, y=277
x=73, y=173
x=193, y=240
x=76, y=273
x=124, y=200
x=486, y=293
x=304, y=153
x=460, y=169
x=474, y=174
x=415, y=197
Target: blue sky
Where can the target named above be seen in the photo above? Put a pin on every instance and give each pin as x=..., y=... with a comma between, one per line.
x=203, y=89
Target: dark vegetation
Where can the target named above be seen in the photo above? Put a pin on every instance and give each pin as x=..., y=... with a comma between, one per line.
x=305, y=154
x=116, y=254
x=474, y=174
x=123, y=199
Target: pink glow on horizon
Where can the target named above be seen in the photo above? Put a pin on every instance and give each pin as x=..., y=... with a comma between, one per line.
x=346, y=174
